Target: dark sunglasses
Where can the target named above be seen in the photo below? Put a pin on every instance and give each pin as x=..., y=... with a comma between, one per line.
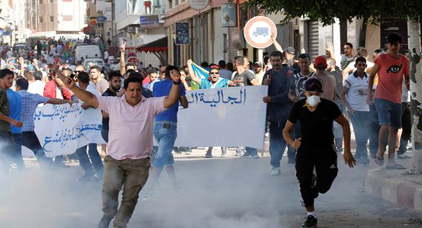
x=78, y=71
x=214, y=72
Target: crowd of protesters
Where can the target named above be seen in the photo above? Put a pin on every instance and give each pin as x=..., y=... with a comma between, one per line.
x=369, y=90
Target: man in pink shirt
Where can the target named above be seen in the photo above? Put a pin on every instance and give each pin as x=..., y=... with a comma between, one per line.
x=390, y=68
x=130, y=143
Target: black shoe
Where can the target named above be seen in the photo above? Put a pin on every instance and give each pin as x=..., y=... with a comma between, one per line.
x=208, y=154
x=310, y=222
x=104, y=222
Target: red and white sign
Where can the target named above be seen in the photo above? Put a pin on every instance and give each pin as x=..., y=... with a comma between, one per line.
x=258, y=31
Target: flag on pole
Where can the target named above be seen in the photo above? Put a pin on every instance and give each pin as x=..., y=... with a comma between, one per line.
x=200, y=72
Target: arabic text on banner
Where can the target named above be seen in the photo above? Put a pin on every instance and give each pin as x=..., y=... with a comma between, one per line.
x=61, y=129
x=233, y=116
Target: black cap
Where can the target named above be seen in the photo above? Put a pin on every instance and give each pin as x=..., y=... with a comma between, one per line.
x=313, y=85
x=290, y=50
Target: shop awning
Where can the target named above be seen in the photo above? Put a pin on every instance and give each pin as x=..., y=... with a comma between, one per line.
x=159, y=45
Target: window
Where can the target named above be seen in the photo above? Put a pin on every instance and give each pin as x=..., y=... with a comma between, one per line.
x=51, y=18
x=41, y=20
x=67, y=18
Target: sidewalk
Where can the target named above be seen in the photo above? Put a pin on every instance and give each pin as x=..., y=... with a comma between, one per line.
x=397, y=186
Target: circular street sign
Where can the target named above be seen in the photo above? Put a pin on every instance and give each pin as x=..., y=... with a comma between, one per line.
x=258, y=30
x=198, y=4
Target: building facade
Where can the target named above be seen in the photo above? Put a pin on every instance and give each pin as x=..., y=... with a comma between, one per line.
x=99, y=19
x=139, y=23
x=56, y=18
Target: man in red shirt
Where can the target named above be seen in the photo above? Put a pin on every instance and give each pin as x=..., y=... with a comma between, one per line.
x=390, y=68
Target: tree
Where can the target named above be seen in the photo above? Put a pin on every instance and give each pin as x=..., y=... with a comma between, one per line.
x=344, y=10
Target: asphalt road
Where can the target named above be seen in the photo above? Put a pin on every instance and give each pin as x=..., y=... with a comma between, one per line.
x=215, y=193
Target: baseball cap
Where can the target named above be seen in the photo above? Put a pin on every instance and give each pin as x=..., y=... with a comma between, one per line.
x=320, y=62
x=313, y=85
x=290, y=50
x=258, y=64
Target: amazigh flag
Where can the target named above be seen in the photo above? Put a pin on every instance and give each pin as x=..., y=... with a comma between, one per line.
x=200, y=72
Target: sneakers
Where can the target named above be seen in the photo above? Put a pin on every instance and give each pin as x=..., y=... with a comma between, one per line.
x=366, y=161
x=274, y=171
x=403, y=156
x=104, y=222
x=238, y=152
x=254, y=156
x=208, y=154
x=363, y=160
x=311, y=222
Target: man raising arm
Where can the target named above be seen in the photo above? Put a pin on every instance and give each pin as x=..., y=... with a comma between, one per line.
x=130, y=143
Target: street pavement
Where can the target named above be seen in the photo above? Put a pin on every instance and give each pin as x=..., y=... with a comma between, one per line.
x=220, y=192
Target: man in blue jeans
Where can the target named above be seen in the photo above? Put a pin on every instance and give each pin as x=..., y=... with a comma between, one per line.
x=15, y=102
x=390, y=68
x=165, y=130
x=278, y=109
x=353, y=95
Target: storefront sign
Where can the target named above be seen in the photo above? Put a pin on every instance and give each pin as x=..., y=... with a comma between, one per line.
x=182, y=33
x=198, y=4
x=149, y=22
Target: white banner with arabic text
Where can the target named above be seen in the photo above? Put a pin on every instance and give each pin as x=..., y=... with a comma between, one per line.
x=61, y=129
x=233, y=116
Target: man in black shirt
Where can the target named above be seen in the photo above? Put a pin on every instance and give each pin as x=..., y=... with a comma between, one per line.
x=115, y=83
x=315, y=147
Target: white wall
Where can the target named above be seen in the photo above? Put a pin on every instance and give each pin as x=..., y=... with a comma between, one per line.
x=76, y=9
x=218, y=42
x=329, y=33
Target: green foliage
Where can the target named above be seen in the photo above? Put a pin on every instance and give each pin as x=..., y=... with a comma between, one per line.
x=345, y=10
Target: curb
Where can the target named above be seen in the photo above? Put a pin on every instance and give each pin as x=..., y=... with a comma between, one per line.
x=393, y=187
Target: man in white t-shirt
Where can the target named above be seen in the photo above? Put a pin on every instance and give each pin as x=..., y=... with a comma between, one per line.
x=354, y=95
x=35, y=84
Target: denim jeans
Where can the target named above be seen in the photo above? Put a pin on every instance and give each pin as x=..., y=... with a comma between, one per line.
x=388, y=112
x=17, y=151
x=165, y=133
x=360, y=121
x=92, y=164
x=373, y=130
x=278, y=144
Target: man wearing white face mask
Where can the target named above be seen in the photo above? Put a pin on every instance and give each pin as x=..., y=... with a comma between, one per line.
x=315, y=149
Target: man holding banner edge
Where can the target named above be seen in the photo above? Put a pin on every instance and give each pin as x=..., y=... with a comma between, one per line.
x=214, y=81
x=130, y=143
